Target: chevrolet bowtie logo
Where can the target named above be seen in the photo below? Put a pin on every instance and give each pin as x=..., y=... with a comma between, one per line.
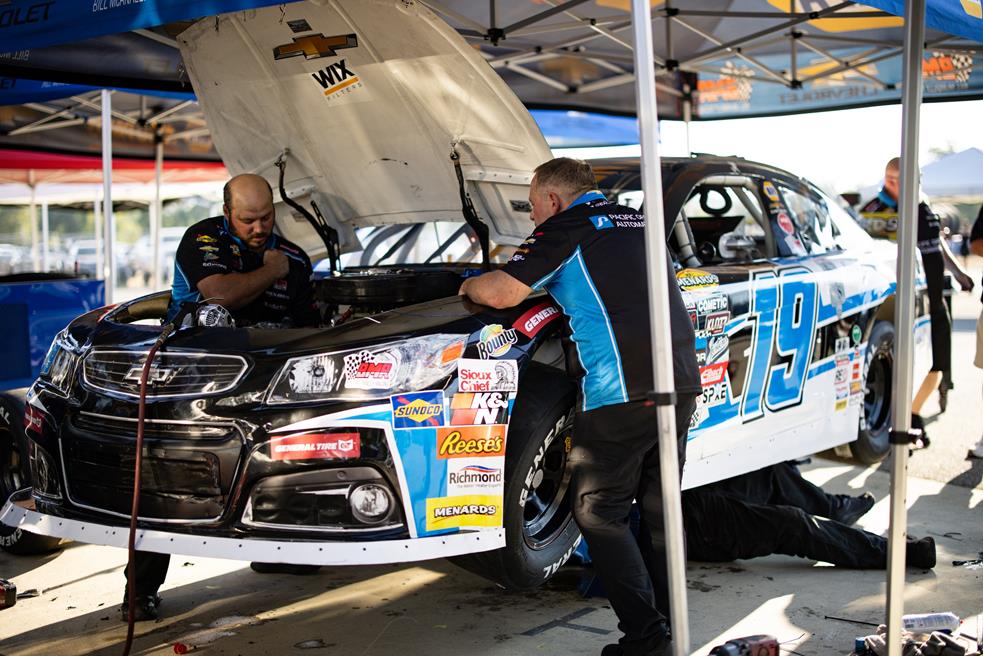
x=315, y=46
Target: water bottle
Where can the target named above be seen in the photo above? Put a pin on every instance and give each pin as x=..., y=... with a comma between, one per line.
x=928, y=622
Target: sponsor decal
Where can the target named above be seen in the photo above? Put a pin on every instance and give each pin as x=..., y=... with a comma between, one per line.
x=840, y=405
x=716, y=322
x=601, y=222
x=418, y=409
x=235, y=250
x=856, y=334
x=479, y=408
x=495, y=341
x=206, y=239
x=471, y=441
x=315, y=446
x=716, y=347
x=770, y=192
x=535, y=319
x=699, y=416
x=689, y=279
x=708, y=304
x=487, y=376
x=299, y=25
x=794, y=245
x=472, y=510
x=208, y=249
x=628, y=220
x=517, y=258
x=365, y=370
x=713, y=374
x=336, y=80
x=694, y=318
x=481, y=476
x=714, y=395
x=210, y=257
x=315, y=46
x=33, y=419
x=701, y=356
x=785, y=223
x=842, y=344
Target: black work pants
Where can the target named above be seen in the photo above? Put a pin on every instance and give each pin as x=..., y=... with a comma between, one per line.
x=934, y=267
x=722, y=528
x=781, y=485
x=615, y=460
x=149, y=570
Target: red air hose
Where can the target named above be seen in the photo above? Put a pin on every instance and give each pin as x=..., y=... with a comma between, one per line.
x=131, y=549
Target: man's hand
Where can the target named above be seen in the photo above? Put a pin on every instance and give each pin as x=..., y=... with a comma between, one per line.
x=965, y=281
x=277, y=262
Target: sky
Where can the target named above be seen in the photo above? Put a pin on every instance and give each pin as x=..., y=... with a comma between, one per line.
x=840, y=151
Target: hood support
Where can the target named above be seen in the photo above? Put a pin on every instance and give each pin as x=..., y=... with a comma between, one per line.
x=470, y=214
x=327, y=234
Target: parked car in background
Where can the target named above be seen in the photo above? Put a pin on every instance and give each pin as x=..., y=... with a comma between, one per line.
x=140, y=256
x=14, y=259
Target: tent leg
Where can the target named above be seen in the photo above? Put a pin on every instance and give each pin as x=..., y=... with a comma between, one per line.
x=97, y=222
x=45, y=234
x=904, y=318
x=109, y=226
x=156, y=217
x=655, y=241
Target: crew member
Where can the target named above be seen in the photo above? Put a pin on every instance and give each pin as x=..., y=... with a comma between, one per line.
x=775, y=510
x=976, y=248
x=589, y=253
x=880, y=219
x=236, y=261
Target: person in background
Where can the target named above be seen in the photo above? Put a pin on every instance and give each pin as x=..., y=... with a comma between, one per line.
x=880, y=219
x=976, y=248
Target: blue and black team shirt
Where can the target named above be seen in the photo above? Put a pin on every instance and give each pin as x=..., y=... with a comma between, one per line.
x=209, y=247
x=591, y=259
x=880, y=220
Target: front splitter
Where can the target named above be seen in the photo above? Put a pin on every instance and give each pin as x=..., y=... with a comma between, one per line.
x=19, y=512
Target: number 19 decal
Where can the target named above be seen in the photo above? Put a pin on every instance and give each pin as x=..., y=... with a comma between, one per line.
x=784, y=310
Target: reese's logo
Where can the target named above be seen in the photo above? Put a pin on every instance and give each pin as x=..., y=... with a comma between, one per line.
x=315, y=46
x=467, y=441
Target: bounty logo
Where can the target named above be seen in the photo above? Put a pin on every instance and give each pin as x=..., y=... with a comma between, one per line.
x=315, y=46
x=337, y=80
x=495, y=341
x=418, y=410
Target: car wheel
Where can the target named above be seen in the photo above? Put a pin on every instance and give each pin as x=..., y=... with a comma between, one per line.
x=873, y=440
x=15, y=475
x=540, y=534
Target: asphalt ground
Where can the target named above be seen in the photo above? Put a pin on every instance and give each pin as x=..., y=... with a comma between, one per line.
x=223, y=608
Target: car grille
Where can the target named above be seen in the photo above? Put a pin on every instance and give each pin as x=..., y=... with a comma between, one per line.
x=173, y=375
x=181, y=481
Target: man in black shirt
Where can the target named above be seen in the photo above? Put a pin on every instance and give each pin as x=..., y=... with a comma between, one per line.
x=589, y=253
x=258, y=276
x=236, y=260
x=976, y=248
x=880, y=219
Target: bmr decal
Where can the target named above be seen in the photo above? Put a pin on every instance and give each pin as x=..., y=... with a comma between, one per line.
x=315, y=46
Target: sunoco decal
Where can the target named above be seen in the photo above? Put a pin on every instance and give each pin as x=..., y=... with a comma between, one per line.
x=418, y=409
x=487, y=376
x=471, y=441
x=469, y=511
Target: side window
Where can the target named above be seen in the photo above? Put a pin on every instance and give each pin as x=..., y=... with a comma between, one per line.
x=811, y=217
x=726, y=223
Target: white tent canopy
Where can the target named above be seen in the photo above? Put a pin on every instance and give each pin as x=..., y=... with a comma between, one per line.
x=70, y=193
x=957, y=176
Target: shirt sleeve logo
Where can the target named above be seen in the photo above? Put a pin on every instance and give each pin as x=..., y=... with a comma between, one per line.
x=601, y=222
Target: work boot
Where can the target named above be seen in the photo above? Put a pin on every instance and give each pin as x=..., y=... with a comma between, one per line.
x=918, y=424
x=145, y=608
x=920, y=553
x=659, y=645
x=850, y=509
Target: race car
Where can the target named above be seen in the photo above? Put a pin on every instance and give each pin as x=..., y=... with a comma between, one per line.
x=413, y=424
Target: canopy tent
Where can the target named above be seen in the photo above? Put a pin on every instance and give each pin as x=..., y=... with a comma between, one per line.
x=28, y=167
x=958, y=176
x=564, y=56
x=720, y=59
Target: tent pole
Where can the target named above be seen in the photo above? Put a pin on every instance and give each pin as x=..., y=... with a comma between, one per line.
x=97, y=222
x=904, y=318
x=33, y=211
x=109, y=226
x=655, y=246
x=45, y=249
x=156, y=216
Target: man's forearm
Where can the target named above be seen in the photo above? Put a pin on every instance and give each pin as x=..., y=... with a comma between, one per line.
x=496, y=289
x=976, y=247
x=237, y=290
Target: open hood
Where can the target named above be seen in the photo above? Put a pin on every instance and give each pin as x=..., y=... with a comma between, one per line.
x=368, y=98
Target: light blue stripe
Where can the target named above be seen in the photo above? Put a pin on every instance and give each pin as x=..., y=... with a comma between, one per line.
x=607, y=323
x=539, y=284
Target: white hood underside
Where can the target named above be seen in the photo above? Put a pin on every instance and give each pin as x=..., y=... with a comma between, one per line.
x=370, y=123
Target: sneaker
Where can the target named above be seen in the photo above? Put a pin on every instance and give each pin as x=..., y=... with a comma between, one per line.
x=920, y=553
x=145, y=609
x=662, y=646
x=853, y=508
x=976, y=451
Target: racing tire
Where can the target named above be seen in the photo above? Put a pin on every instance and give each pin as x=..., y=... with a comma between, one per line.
x=540, y=534
x=15, y=475
x=873, y=439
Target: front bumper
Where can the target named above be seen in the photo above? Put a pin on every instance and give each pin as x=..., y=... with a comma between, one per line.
x=20, y=512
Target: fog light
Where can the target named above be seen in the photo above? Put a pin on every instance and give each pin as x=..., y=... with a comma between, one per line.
x=370, y=503
x=44, y=478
